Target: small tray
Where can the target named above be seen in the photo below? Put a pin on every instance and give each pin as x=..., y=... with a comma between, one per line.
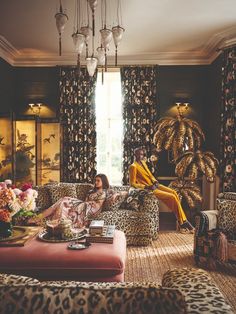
x=44, y=236
x=17, y=233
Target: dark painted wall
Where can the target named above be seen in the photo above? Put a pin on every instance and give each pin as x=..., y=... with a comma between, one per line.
x=37, y=85
x=186, y=84
x=7, y=86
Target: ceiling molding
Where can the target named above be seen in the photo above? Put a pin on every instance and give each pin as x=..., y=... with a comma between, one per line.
x=206, y=55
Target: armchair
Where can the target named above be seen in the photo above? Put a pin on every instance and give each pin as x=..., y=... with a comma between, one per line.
x=215, y=233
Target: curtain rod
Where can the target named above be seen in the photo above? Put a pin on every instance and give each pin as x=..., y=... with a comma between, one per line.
x=111, y=66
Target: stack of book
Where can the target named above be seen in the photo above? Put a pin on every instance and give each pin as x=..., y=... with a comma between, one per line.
x=107, y=235
x=96, y=227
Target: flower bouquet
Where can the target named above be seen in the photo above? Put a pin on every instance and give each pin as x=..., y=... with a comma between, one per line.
x=16, y=205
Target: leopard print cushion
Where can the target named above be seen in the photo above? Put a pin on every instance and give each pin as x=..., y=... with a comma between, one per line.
x=227, y=216
x=67, y=299
x=16, y=280
x=201, y=294
x=61, y=190
x=82, y=190
x=43, y=201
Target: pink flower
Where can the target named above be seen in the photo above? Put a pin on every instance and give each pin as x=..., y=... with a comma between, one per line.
x=8, y=182
x=17, y=191
x=26, y=186
x=3, y=185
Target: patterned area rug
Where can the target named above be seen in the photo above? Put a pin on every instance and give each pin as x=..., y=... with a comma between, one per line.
x=172, y=250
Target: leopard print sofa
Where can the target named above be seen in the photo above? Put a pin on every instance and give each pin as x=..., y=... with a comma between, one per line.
x=140, y=227
x=201, y=294
x=182, y=291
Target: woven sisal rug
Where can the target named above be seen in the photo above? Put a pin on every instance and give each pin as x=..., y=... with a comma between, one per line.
x=172, y=250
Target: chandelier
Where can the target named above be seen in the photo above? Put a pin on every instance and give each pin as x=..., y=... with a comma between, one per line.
x=83, y=35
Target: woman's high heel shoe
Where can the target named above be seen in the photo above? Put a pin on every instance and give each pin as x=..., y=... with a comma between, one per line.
x=186, y=227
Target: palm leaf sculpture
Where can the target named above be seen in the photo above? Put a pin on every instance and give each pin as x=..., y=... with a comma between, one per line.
x=174, y=133
x=187, y=189
x=194, y=163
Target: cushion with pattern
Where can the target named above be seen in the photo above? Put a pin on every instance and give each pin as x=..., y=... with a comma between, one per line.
x=114, y=200
x=61, y=190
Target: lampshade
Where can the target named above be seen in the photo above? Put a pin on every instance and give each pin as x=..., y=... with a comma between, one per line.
x=61, y=19
x=117, y=32
x=78, y=40
x=86, y=31
x=106, y=37
x=91, y=65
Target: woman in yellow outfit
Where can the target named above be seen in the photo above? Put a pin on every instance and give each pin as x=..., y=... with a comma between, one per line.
x=141, y=177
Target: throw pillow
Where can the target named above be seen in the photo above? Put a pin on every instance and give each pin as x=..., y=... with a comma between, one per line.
x=135, y=199
x=82, y=190
x=61, y=190
x=43, y=201
x=227, y=216
x=114, y=201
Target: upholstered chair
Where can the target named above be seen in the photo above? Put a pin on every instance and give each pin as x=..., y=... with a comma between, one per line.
x=215, y=234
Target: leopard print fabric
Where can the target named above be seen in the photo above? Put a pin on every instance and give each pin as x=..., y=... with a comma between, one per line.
x=16, y=280
x=227, y=216
x=201, y=294
x=139, y=227
x=43, y=201
x=77, y=299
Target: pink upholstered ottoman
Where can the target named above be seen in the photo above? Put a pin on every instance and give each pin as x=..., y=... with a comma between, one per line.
x=53, y=261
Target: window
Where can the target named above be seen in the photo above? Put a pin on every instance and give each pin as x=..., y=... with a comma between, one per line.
x=109, y=124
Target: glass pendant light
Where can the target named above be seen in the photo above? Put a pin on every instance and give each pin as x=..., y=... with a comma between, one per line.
x=106, y=34
x=118, y=31
x=91, y=65
x=78, y=38
x=93, y=5
x=61, y=19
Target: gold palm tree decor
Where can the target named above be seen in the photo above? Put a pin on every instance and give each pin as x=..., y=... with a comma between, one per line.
x=183, y=138
x=191, y=164
x=188, y=190
x=176, y=134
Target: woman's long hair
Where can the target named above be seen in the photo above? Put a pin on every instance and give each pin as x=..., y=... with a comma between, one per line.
x=105, y=182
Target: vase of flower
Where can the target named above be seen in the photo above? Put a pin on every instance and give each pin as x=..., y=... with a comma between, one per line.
x=5, y=229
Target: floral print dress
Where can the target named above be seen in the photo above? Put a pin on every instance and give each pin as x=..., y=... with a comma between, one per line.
x=79, y=212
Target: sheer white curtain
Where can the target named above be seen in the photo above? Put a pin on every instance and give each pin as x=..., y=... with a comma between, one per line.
x=109, y=126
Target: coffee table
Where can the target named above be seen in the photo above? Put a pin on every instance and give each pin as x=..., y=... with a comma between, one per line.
x=101, y=262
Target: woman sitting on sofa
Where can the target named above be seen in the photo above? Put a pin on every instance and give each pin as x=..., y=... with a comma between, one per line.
x=79, y=212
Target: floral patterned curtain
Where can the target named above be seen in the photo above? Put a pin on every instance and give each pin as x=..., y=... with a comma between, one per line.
x=139, y=112
x=77, y=113
x=228, y=121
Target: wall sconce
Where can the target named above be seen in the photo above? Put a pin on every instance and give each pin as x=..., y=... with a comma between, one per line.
x=35, y=108
x=182, y=107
